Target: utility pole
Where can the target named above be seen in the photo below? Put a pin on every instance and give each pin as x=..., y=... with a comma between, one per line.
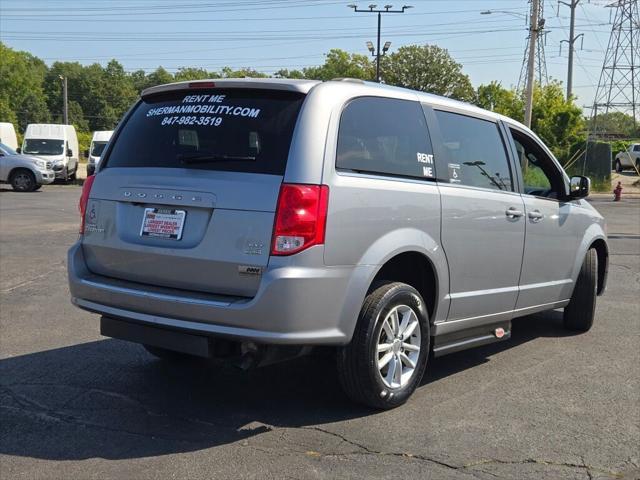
x=65, y=99
x=531, y=66
x=572, y=40
x=372, y=9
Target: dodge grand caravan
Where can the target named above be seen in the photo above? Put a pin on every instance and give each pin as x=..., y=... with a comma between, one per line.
x=254, y=219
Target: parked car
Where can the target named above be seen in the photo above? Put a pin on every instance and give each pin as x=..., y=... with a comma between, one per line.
x=253, y=219
x=25, y=174
x=98, y=143
x=8, y=135
x=57, y=144
x=630, y=158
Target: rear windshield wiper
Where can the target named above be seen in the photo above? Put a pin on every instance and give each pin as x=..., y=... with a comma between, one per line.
x=212, y=157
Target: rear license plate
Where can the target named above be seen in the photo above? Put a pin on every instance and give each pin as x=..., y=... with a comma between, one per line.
x=163, y=223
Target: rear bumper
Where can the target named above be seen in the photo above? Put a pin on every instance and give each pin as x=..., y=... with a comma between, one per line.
x=304, y=303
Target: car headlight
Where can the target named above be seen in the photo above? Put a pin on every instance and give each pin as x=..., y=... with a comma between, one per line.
x=58, y=162
x=42, y=165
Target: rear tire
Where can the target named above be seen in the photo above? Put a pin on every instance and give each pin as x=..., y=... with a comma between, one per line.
x=23, y=180
x=618, y=166
x=167, y=355
x=387, y=356
x=579, y=314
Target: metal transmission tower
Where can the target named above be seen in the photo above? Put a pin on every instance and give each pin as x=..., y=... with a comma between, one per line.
x=540, y=58
x=619, y=85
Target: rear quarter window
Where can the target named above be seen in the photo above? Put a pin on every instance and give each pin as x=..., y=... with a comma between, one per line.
x=385, y=136
x=236, y=130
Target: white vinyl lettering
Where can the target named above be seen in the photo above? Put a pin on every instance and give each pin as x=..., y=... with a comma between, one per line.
x=425, y=158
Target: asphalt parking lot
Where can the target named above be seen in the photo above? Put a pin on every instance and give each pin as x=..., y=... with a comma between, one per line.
x=545, y=404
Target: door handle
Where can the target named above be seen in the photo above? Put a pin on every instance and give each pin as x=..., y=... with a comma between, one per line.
x=513, y=212
x=536, y=215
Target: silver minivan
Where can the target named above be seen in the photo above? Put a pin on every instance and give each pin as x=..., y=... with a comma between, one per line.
x=253, y=219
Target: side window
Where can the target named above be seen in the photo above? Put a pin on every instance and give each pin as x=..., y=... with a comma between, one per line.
x=387, y=136
x=532, y=173
x=636, y=148
x=540, y=176
x=476, y=154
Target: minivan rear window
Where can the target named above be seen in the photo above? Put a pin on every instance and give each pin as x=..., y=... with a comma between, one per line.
x=236, y=130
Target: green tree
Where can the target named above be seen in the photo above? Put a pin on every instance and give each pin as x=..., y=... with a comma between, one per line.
x=73, y=72
x=427, y=68
x=119, y=95
x=286, y=73
x=498, y=99
x=617, y=123
x=138, y=80
x=228, y=72
x=192, y=73
x=91, y=93
x=158, y=77
x=338, y=64
x=558, y=122
x=22, y=99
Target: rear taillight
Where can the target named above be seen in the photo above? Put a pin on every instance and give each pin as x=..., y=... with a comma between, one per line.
x=301, y=217
x=84, y=198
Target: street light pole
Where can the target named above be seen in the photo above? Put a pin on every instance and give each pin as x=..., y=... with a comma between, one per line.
x=372, y=9
x=533, y=38
x=378, y=49
x=65, y=99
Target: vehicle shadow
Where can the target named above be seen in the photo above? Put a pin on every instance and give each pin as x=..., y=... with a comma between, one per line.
x=110, y=399
x=524, y=329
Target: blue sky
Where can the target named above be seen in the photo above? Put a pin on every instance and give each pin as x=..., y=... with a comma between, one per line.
x=273, y=34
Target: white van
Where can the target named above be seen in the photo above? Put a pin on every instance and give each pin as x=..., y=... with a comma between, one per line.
x=55, y=143
x=98, y=144
x=8, y=135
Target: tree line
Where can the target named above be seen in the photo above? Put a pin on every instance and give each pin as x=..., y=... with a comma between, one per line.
x=31, y=91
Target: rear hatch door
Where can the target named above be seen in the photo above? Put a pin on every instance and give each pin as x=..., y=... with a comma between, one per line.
x=187, y=195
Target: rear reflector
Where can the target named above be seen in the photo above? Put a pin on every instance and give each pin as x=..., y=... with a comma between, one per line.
x=84, y=199
x=301, y=217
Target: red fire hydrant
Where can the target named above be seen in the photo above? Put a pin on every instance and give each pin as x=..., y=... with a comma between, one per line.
x=617, y=192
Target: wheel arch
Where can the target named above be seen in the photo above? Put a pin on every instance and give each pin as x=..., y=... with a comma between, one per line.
x=415, y=269
x=15, y=170
x=603, y=263
x=402, y=247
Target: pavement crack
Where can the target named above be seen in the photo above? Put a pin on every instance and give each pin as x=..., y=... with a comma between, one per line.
x=583, y=466
x=30, y=407
x=32, y=279
x=370, y=451
x=621, y=266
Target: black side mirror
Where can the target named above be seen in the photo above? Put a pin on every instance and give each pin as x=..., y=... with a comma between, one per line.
x=579, y=187
x=86, y=154
x=69, y=152
x=18, y=150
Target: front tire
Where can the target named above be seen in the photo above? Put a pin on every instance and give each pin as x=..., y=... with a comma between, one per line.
x=579, y=314
x=387, y=356
x=23, y=181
